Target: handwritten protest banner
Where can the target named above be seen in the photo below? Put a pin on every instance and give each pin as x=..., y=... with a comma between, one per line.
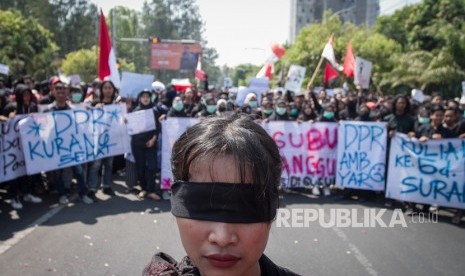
x=62, y=139
x=12, y=163
x=133, y=83
x=431, y=172
x=172, y=128
x=295, y=78
x=361, y=158
x=140, y=121
x=308, y=152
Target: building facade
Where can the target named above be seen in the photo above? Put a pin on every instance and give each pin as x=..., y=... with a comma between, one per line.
x=305, y=12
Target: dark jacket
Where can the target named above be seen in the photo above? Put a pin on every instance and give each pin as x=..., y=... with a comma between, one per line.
x=139, y=140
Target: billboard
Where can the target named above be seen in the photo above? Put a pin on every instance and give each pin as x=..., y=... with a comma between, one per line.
x=174, y=56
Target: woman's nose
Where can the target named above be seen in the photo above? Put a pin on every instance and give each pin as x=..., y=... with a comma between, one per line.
x=223, y=234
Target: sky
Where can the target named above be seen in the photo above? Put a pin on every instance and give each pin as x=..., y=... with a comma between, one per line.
x=243, y=30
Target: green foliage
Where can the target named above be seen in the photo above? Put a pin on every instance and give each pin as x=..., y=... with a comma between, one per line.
x=242, y=74
x=82, y=63
x=419, y=46
x=26, y=46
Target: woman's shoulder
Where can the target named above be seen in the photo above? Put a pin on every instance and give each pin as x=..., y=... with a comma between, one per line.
x=164, y=264
x=268, y=268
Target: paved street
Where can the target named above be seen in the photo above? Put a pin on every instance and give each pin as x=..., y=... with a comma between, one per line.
x=118, y=236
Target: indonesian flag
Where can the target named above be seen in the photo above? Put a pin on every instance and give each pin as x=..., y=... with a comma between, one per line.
x=328, y=53
x=349, y=62
x=330, y=74
x=267, y=70
x=107, y=68
x=199, y=74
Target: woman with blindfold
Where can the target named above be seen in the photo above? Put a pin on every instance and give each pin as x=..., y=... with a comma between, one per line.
x=224, y=216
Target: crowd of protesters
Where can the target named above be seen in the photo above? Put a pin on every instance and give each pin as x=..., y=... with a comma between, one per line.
x=433, y=118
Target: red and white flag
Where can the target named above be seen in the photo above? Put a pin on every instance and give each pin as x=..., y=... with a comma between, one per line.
x=199, y=74
x=277, y=52
x=266, y=71
x=107, y=68
x=349, y=62
x=330, y=74
x=328, y=54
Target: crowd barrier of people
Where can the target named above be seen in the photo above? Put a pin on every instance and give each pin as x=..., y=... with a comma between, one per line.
x=433, y=118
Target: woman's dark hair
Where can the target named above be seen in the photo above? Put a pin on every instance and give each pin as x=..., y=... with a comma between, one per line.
x=407, y=104
x=253, y=150
x=115, y=90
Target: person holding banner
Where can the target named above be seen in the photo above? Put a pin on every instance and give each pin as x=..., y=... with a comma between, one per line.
x=400, y=119
x=144, y=149
x=107, y=96
x=23, y=185
x=62, y=177
x=224, y=217
x=280, y=113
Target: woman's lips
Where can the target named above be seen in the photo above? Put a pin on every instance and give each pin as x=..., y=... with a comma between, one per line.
x=222, y=260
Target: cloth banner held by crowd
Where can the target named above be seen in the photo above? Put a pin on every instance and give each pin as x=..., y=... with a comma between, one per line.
x=308, y=152
x=172, y=128
x=361, y=159
x=12, y=163
x=431, y=172
x=66, y=138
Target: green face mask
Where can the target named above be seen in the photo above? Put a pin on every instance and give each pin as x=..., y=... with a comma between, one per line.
x=154, y=98
x=178, y=106
x=281, y=111
x=267, y=111
x=294, y=112
x=76, y=97
x=211, y=109
x=328, y=115
x=253, y=104
x=423, y=120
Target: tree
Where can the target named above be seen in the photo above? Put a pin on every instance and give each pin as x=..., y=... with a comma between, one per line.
x=82, y=62
x=242, y=74
x=26, y=46
x=365, y=42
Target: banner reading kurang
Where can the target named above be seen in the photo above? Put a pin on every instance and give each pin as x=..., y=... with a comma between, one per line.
x=62, y=139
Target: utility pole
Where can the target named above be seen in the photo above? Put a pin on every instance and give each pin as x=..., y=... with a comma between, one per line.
x=113, y=30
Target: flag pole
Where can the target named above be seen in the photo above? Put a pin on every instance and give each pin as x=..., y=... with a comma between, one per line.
x=310, y=83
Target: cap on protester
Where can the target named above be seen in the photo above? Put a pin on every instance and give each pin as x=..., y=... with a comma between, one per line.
x=54, y=80
x=145, y=91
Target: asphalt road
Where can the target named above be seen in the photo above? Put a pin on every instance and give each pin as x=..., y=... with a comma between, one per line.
x=118, y=236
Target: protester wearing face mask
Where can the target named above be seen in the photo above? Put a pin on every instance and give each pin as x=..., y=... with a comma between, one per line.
x=280, y=112
x=209, y=108
x=293, y=112
x=328, y=114
x=177, y=109
x=77, y=95
x=144, y=149
x=267, y=108
x=250, y=106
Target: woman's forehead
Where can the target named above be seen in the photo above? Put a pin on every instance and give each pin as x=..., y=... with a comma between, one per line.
x=222, y=168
